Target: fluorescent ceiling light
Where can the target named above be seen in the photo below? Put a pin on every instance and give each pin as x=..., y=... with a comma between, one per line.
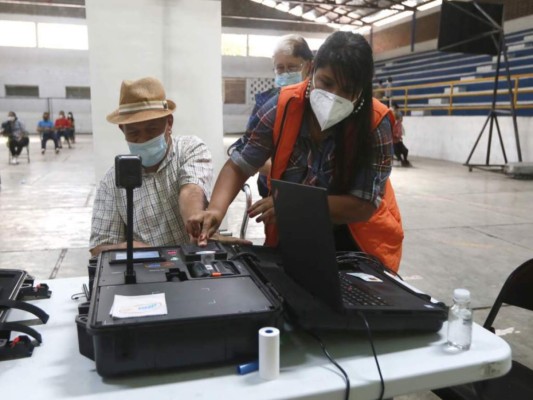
x=322, y=19
x=429, y=5
x=396, y=17
x=270, y=3
x=296, y=11
x=410, y=3
x=285, y=7
x=310, y=15
x=340, y=10
x=379, y=15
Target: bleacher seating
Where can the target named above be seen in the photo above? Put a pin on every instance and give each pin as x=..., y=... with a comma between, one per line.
x=432, y=67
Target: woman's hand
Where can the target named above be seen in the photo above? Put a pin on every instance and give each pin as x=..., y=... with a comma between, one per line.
x=264, y=209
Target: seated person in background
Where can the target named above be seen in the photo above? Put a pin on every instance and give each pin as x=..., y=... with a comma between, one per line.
x=176, y=177
x=334, y=136
x=400, y=151
x=17, y=135
x=45, y=127
x=62, y=126
x=388, y=91
x=379, y=93
x=72, y=130
x=292, y=61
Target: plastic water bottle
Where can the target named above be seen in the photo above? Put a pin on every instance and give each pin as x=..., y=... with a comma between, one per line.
x=460, y=320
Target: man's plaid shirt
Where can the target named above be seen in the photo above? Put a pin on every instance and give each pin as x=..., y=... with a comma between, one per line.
x=156, y=215
x=310, y=164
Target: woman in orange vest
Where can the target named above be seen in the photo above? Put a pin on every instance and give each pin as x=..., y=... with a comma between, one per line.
x=327, y=131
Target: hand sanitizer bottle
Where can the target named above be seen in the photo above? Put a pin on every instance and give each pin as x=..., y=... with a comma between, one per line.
x=460, y=320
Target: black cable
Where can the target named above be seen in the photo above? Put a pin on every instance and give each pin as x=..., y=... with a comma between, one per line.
x=332, y=360
x=245, y=254
x=369, y=334
x=346, y=256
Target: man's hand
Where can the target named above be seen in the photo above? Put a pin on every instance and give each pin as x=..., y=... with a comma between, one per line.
x=265, y=209
x=98, y=249
x=230, y=239
x=203, y=225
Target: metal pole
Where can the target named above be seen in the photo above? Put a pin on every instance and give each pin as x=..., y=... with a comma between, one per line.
x=413, y=31
x=513, y=107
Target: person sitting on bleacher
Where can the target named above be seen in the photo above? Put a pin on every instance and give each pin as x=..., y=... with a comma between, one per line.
x=62, y=126
x=45, y=127
x=17, y=136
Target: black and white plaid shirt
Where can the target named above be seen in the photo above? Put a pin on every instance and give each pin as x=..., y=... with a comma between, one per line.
x=156, y=215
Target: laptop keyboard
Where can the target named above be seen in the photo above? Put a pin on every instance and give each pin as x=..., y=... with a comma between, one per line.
x=353, y=295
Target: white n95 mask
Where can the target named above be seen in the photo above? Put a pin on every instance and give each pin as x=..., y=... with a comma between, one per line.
x=329, y=108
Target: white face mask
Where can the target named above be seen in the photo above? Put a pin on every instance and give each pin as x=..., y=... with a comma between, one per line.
x=11, y=118
x=329, y=108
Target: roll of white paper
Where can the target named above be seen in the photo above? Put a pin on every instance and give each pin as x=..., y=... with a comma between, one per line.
x=268, y=353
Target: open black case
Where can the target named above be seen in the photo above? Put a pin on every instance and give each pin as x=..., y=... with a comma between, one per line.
x=16, y=286
x=214, y=311
x=214, y=314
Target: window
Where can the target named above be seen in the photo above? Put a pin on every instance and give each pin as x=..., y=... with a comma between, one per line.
x=62, y=36
x=314, y=43
x=78, y=92
x=22, y=91
x=233, y=45
x=261, y=45
x=234, y=91
x=17, y=34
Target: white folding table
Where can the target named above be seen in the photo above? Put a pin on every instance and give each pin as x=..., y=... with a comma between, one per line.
x=410, y=363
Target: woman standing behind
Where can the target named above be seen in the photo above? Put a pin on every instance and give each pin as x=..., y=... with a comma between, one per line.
x=328, y=132
x=72, y=131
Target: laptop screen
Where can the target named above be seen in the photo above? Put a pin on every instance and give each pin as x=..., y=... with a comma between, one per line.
x=306, y=239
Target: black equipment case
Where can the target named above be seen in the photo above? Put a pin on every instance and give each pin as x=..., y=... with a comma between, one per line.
x=214, y=309
x=16, y=286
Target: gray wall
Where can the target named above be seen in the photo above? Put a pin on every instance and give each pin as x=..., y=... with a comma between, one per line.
x=50, y=69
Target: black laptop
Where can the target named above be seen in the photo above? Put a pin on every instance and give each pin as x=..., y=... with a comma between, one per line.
x=337, y=288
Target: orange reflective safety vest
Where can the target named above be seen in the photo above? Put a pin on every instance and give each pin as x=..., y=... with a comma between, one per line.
x=382, y=234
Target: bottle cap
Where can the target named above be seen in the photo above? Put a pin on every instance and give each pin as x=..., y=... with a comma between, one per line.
x=461, y=295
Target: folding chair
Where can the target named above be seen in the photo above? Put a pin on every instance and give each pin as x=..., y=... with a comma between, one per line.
x=21, y=155
x=244, y=224
x=518, y=383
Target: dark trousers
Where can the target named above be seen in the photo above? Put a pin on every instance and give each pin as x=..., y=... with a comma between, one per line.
x=16, y=146
x=46, y=137
x=63, y=133
x=400, y=150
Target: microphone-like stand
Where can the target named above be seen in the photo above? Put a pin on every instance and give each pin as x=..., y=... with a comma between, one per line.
x=128, y=175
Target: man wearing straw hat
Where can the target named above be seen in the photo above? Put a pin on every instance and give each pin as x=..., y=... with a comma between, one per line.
x=176, y=180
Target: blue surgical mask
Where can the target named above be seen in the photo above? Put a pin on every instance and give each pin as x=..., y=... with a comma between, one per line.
x=288, y=78
x=152, y=151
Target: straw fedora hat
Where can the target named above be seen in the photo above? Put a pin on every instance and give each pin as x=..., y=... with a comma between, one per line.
x=141, y=100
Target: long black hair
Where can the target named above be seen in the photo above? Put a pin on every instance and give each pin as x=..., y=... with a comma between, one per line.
x=350, y=57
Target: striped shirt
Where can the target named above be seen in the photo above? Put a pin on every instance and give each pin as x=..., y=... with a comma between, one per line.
x=156, y=215
x=312, y=164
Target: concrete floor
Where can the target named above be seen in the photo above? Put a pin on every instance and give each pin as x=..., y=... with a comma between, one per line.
x=462, y=229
